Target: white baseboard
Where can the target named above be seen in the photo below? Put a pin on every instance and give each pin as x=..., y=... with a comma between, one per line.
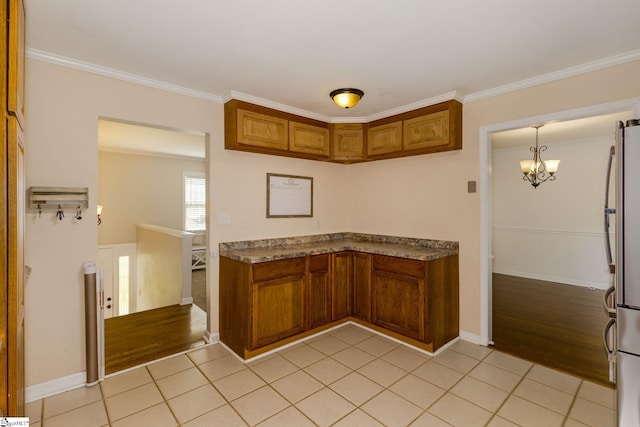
x=472, y=338
x=186, y=301
x=59, y=385
x=211, y=337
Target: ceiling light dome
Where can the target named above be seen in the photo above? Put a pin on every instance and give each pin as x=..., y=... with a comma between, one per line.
x=346, y=97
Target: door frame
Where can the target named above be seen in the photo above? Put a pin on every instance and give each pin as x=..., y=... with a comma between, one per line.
x=485, y=132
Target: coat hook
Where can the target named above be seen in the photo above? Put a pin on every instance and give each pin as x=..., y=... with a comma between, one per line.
x=39, y=211
x=60, y=213
x=79, y=213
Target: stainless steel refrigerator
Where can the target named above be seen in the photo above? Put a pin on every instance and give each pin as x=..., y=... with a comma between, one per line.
x=622, y=300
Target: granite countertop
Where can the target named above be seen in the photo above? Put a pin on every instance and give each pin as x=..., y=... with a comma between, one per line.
x=257, y=251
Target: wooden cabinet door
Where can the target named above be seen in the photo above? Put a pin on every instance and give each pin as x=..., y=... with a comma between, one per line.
x=261, y=130
x=15, y=283
x=398, y=295
x=431, y=130
x=347, y=141
x=341, y=286
x=319, y=291
x=308, y=139
x=362, y=286
x=16, y=60
x=277, y=301
x=384, y=139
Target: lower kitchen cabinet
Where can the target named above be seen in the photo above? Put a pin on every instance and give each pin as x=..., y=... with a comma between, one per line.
x=277, y=301
x=398, y=295
x=341, y=286
x=267, y=304
x=361, y=283
x=261, y=304
x=417, y=299
x=319, y=291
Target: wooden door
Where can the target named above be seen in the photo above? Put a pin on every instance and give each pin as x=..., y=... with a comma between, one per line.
x=319, y=291
x=341, y=286
x=15, y=294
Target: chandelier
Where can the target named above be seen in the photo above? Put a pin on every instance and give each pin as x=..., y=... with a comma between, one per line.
x=537, y=171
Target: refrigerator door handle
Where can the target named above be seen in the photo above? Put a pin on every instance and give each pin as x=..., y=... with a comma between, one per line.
x=608, y=211
x=605, y=337
x=611, y=353
x=611, y=311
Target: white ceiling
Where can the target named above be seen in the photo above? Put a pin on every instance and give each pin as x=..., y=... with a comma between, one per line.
x=290, y=53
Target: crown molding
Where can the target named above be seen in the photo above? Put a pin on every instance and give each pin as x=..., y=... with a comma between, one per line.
x=556, y=75
x=276, y=106
x=221, y=99
x=414, y=106
x=52, y=58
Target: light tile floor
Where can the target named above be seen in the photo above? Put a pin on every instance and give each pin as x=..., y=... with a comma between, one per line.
x=345, y=377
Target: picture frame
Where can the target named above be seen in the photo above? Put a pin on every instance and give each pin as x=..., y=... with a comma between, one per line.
x=289, y=196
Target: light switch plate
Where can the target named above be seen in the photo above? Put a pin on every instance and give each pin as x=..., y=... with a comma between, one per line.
x=471, y=186
x=224, y=218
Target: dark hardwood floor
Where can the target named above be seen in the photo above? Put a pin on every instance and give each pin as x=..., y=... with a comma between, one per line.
x=553, y=324
x=142, y=337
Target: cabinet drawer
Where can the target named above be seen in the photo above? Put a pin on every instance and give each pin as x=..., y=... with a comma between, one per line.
x=318, y=262
x=403, y=266
x=279, y=269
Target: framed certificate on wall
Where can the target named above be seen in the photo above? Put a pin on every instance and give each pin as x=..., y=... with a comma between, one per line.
x=289, y=196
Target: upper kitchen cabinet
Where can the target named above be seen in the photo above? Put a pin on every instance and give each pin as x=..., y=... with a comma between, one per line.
x=309, y=139
x=250, y=127
x=348, y=142
x=422, y=131
x=16, y=60
x=384, y=138
x=261, y=130
x=258, y=129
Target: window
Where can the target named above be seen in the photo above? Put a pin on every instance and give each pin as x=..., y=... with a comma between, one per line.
x=195, y=202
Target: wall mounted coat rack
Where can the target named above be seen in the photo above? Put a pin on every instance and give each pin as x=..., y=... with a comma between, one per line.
x=59, y=198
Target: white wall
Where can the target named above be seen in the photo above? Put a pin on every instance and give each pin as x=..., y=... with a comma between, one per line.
x=553, y=232
x=140, y=189
x=423, y=196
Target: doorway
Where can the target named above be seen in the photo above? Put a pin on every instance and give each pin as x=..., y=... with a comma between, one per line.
x=152, y=190
x=515, y=243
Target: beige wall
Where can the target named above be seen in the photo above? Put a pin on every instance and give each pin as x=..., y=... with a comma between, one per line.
x=424, y=196
x=553, y=232
x=140, y=189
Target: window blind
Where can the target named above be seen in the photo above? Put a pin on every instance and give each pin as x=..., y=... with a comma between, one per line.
x=195, y=189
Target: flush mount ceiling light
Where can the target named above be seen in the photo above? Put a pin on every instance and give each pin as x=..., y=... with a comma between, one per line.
x=537, y=171
x=346, y=97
